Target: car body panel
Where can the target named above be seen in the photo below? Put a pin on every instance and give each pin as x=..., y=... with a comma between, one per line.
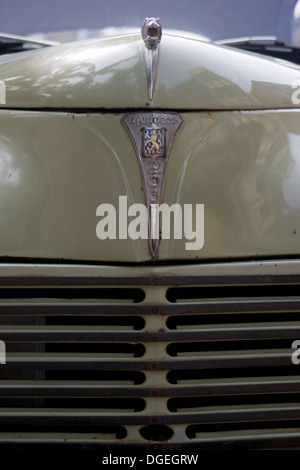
x=111, y=73
x=57, y=168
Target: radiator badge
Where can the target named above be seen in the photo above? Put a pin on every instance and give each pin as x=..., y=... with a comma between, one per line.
x=152, y=135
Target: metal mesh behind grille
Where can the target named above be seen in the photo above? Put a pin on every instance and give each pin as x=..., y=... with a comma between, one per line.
x=185, y=361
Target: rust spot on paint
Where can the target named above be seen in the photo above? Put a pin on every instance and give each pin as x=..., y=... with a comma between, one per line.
x=294, y=231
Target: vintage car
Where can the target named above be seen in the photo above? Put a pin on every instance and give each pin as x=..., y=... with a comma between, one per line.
x=150, y=227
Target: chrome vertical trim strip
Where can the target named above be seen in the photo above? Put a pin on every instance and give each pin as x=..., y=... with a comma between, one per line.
x=151, y=34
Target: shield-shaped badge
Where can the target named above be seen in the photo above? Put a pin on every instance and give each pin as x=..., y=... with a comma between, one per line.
x=152, y=145
x=154, y=142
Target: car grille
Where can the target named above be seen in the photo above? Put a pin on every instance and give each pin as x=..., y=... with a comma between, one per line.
x=158, y=362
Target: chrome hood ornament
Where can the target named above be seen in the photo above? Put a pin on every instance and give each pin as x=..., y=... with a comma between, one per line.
x=152, y=134
x=151, y=34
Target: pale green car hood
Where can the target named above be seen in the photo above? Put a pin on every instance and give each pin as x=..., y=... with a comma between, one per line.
x=110, y=73
x=64, y=150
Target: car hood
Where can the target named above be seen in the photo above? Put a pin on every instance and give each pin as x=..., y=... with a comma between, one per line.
x=110, y=73
x=76, y=120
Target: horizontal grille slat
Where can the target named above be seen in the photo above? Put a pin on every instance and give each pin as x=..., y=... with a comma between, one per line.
x=122, y=389
x=107, y=441
x=237, y=414
x=109, y=435
x=76, y=417
x=90, y=361
x=206, y=333
x=233, y=307
x=257, y=439
x=95, y=417
x=238, y=386
x=243, y=306
x=69, y=389
x=74, y=310
x=141, y=280
x=63, y=334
